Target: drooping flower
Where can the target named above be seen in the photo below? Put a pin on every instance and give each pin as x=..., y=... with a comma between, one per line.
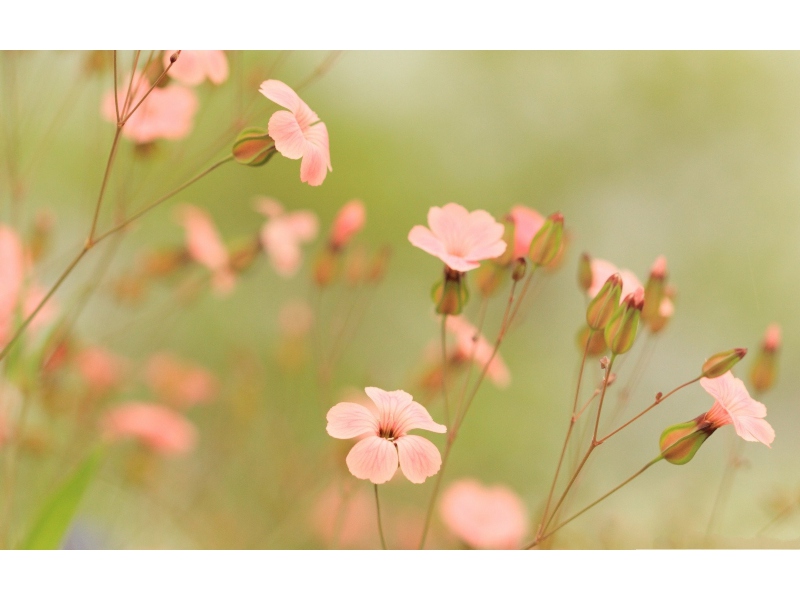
x=527, y=223
x=157, y=427
x=348, y=221
x=458, y=237
x=298, y=132
x=470, y=344
x=179, y=383
x=193, y=67
x=386, y=429
x=489, y=518
x=602, y=270
x=283, y=233
x=205, y=247
x=733, y=404
x=101, y=369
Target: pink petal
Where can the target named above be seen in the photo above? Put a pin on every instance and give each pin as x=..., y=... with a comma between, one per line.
x=348, y=420
x=446, y=222
x=167, y=113
x=416, y=416
x=189, y=69
x=754, y=429
x=527, y=223
x=373, y=458
x=285, y=130
x=482, y=236
x=423, y=238
x=312, y=168
x=348, y=221
x=283, y=95
x=202, y=240
x=389, y=404
x=304, y=224
x=216, y=66
x=419, y=458
x=160, y=428
x=12, y=273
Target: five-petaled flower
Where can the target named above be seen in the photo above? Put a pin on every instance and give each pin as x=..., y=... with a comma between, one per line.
x=733, y=404
x=386, y=440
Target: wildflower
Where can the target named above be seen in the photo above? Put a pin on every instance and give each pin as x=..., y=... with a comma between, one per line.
x=471, y=344
x=483, y=517
x=386, y=429
x=179, y=383
x=159, y=428
x=205, y=247
x=283, y=233
x=348, y=221
x=764, y=370
x=527, y=223
x=195, y=66
x=458, y=237
x=298, y=132
x=101, y=369
x=733, y=404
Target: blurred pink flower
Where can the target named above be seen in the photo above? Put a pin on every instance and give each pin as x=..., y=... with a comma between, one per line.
x=733, y=404
x=195, y=66
x=772, y=338
x=527, y=223
x=341, y=517
x=484, y=517
x=180, y=383
x=602, y=270
x=348, y=221
x=101, y=369
x=467, y=345
x=167, y=113
x=283, y=233
x=46, y=315
x=375, y=457
x=459, y=237
x=298, y=132
x=157, y=427
x=205, y=247
x=12, y=273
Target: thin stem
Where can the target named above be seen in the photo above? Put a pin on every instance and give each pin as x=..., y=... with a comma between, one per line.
x=129, y=91
x=109, y=163
x=471, y=361
x=444, y=371
x=378, y=510
x=436, y=485
x=116, y=93
x=152, y=87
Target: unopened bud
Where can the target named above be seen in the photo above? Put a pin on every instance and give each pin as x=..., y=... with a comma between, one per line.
x=451, y=295
x=326, y=268
x=348, y=221
x=620, y=332
x=520, y=267
x=547, y=242
x=654, y=290
x=772, y=338
x=596, y=341
x=174, y=56
x=253, y=147
x=722, y=362
x=679, y=443
x=585, y=276
x=356, y=265
x=558, y=259
x=765, y=368
x=603, y=305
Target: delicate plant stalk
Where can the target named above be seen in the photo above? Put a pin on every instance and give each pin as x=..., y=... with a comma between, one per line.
x=478, y=331
x=444, y=372
x=378, y=510
x=725, y=486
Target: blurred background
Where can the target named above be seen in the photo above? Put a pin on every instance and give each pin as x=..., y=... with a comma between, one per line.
x=694, y=156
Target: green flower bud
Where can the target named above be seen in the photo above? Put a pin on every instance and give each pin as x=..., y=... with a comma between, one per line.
x=547, y=242
x=603, y=305
x=679, y=443
x=620, y=332
x=722, y=362
x=253, y=147
x=451, y=295
x=585, y=276
x=520, y=266
x=654, y=290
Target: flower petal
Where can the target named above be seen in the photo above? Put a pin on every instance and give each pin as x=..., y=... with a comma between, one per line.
x=283, y=95
x=312, y=169
x=373, y=458
x=216, y=66
x=285, y=130
x=390, y=404
x=754, y=429
x=348, y=420
x=416, y=416
x=419, y=458
x=423, y=238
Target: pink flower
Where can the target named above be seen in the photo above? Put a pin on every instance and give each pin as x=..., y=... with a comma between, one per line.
x=484, y=517
x=12, y=273
x=180, y=383
x=205, y=247
x=376, y=456
x=459, y=237
x=772, y=338
x=348, y=221
x=157, y=427
x=527, y=223
x=167, y=113
x=298, y=132
x=602, y=270
x=733, y=404
x=283, y=233
x=195, y=66
x=101, y=369
x=479, y=349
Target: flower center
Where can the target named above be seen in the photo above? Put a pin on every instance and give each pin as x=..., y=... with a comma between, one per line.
x=387, y=433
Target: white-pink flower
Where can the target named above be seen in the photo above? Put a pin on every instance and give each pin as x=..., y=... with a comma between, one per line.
x=733, y=404
x=471, y=344
x=298, y=132
x=283, y=233
x=527, y=223
x=386, y=429
x=459, y=237
x=157, y=427
x=193, y=67
x=602, y=270
x=205, y=247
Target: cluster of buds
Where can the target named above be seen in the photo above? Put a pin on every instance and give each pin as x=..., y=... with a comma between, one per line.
x=611, y=324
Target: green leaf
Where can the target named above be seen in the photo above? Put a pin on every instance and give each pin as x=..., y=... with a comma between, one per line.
x=58, y=511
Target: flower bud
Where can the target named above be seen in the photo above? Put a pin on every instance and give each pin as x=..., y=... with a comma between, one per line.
x=585, y=276
x=547, y=242
x=603, y=305
x=356, y=265
x=654, y=290
x=679, y=443
x=326, y=268
x=520, y=266
x=41, y=236
x=253, y=147
x=722, y=362
x=597, y=342
x=620, y=332
x=348, y=221
x=764, y=370
x=451, y=295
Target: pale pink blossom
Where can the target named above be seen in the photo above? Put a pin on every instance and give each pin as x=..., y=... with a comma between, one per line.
x=348, y=221
x=386, y=428
x=283, y=233
x=772, y=338
x=167, y=113
x=459, y=237
x=733, y=404
x=471, y=344
x=193, y=67
x=527, y=223
x=602, y=270
x=102, y=370
x=298, y=132
x=488, y=518
x=157, y=427
x=12, y=274
x=180, y=383
x=205, y=247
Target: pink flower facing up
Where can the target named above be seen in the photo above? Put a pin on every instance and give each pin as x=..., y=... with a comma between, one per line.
x=479, y=349
x=348, y=221
x=283, y=233
x=298, y=132
x=602, y=270
x=375, y=457
x=733, y=404
x=488, y=518
x=193, y=67
x=205, y=247
x=100, y=369
x=180, y=383
x=156, y=427
x=527, y=223
x=459, y=237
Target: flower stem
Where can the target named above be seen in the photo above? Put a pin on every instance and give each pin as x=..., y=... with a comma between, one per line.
x=444, y=371
x=378, y=510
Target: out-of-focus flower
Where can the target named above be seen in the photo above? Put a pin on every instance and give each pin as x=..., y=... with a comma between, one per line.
x=489, y=518
x=527, y=223
x=348, y=221
x=157, y=427
x=283, y=233
x=34, y=295
x=765, y=367
x=458, y=237
x=602, y=270
x=180, y=383
x=376, y=456
x=205, y=247
x=733, y=404
x=193, y=67
x=101, y=369
x=472, y=345
x=298, y=132
x=12, y=273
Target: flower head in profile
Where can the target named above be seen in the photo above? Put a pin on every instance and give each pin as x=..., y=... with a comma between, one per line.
x=488, y=518
x=471, y=345
x=157, y=427
x=459, y=237
x=283, y=233
x=733, y=405
x=602, y=270
x=348, y=221
x=205, y=247
x=298, y=132
x=527, y=223
x=193, y=67
x=386, y=427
